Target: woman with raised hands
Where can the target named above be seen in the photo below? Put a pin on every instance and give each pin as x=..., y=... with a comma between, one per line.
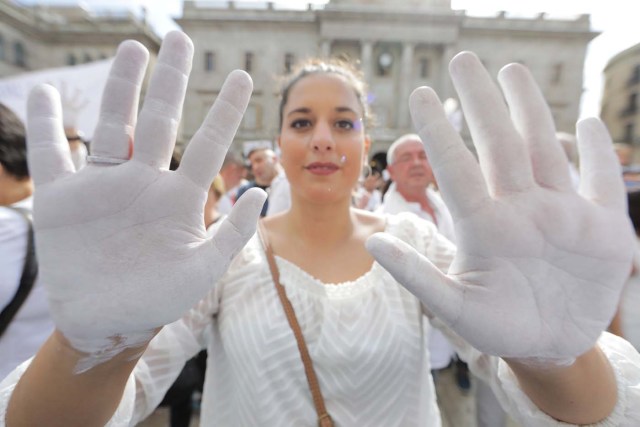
x=531, y=287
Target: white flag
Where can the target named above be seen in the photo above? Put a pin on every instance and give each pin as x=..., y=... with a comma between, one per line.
x=80, y=90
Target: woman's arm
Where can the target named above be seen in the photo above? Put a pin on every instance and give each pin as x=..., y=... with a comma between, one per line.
x=582, y=393
x=539, y=266
x=51, y=393
x=121, y=244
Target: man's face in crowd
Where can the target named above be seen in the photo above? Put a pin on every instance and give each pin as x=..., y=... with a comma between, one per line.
x=410, y=167
x=263, y=166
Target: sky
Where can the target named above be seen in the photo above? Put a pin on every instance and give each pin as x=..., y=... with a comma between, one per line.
x=617, y=20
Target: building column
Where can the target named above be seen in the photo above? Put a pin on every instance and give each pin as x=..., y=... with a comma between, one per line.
x=445, y=90
x=325, y=49
x=406, y=79
x=366, y=54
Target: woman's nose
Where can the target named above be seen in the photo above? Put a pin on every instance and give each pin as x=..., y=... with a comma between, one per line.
x=322, y=138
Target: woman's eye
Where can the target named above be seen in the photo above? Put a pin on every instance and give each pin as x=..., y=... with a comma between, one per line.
x=345, y=124
x=300, y=124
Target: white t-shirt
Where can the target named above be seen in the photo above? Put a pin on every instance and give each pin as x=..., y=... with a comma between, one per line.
x=31, y=326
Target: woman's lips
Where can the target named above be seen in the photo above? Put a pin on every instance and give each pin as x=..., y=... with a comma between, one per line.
x=318, y=168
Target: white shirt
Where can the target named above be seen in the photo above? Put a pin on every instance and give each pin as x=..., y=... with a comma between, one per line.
x=31, y=326
x=395, y=203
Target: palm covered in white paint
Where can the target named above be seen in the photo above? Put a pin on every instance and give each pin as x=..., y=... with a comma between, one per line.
x=122, y=247
x=539, y=267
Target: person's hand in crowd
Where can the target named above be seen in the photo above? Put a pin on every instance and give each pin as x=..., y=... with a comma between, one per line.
x=121, y=244
x=539, y=267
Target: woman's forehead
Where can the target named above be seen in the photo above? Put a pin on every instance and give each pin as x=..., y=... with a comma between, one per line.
x=321, y=89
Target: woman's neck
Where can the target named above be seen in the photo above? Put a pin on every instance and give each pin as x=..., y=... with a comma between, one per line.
x=318, y=223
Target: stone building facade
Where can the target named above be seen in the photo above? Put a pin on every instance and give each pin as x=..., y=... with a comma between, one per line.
x=620, y=109
x=39, y=37
x=400, y=45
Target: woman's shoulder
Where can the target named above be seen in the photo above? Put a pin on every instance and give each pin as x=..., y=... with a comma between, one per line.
x=406, y=226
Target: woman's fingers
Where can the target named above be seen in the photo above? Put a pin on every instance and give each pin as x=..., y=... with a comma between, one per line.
x=443, y=297
x=48, y=148
x=119, y=107
x=240, y=225
x=534, y=122
x=456, y=170
x=204, y=154
x=600, y=175
x=157, y=128
x=499, y=145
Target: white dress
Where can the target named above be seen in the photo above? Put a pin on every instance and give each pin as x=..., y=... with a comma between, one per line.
x=365, y=338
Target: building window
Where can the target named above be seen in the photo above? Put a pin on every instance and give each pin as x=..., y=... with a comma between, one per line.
x=635, y=75
x=19, y=54
x=248, y=62
x=209, y=61
x=424, y=68
x=87, y=58
x=71, y=59
x=628, y=133
x=632, y=107
x=556, y=74
x=288, y=62
x=2, y=55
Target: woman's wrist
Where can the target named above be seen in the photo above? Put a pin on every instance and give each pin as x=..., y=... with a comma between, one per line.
x=66, y=349
x=583, y=392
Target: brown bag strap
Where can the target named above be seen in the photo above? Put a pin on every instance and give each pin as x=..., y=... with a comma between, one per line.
x=324, y=419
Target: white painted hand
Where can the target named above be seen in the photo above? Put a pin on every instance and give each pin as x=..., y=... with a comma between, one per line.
x=122, y=247
x=539, y=267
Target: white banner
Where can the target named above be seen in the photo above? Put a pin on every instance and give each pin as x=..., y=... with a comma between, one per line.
x=80, y=90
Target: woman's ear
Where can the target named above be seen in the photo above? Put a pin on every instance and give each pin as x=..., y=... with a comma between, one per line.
x=367, y=144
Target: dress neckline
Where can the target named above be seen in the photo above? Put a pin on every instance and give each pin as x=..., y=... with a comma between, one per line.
x=291, y=275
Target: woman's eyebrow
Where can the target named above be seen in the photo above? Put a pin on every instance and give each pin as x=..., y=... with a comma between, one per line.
x=303, y=110
x=306, y=110
x=345, y=109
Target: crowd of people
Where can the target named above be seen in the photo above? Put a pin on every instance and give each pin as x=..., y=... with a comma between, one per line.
x=364, y=280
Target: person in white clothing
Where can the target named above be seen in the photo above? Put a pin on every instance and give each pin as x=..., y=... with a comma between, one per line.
x=413, y=185
x=31, y=324
x=265, y=167
x=412, y=191
x=360, y=284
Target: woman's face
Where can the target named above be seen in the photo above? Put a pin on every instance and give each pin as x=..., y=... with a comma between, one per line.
x=322, y=139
